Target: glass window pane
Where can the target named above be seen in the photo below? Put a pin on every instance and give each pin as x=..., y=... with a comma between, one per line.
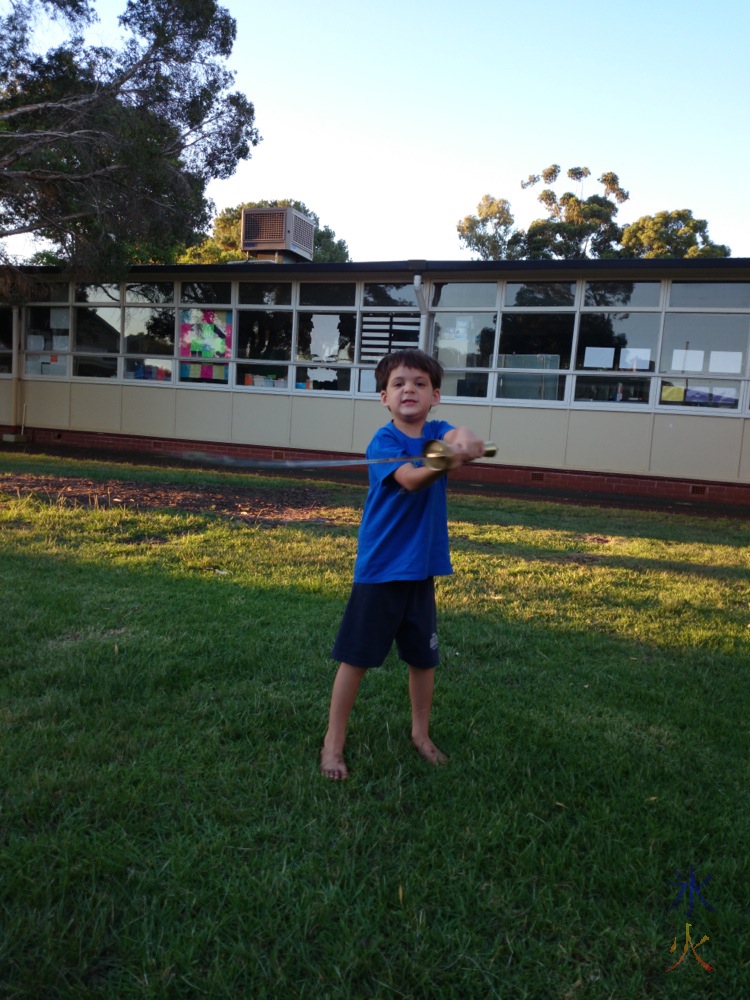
x=515, y=386
x=705, y=342
x=149, y=369
x=53, y=291
x=264, y=335
x=263, y=376
x=385, y=332
x=536, y=340
x=326, y=336
x=6, y=329
x=6, y=364
x=97, y=329
x=699, y=392
x=593, y=389
x=463, y=340
x=622, y=293
x=207, y=291
x=323, y=379
x=540, y=293
x=710, y=294
x=464, y=294
x=48, y=328
x=387, y=294
x=204, y=372
x=626, y=341
x=150, y=292
x=327, y=294
x=258, y=294
x=46, y=364
x=149, y=331
x=206, y=333
x=93, y=366
x=97, y=293
x=472, y=384
x=367, y=381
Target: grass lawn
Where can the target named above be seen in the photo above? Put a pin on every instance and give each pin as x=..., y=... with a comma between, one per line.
x=164, y=683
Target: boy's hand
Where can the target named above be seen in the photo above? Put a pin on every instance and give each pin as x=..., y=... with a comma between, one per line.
x=465, y=444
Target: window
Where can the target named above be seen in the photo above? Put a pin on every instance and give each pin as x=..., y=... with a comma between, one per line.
x=713, y=393
x=106, y=294
x=534, y=294
x=205, y=292
x=634, y=294
x=264, y=336
x=150, y=292
x=511, y=385
x=388, y=294
x=326, y=294
x=254, y=293
x=326, y=336
x=618, y=341
x=464, y=340
x=149, y=343
x=710, y=294
x=715, y=343
x=6, y=341
x=205, y=335
x=536, y=340
x=323, y=379
x=600, y=389
x=464, y=294
x=384, y=332
x=97, y=329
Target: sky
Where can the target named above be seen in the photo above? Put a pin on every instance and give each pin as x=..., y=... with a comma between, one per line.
x=391, y=120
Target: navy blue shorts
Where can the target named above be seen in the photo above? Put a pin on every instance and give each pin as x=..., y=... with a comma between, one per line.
x=379, y=614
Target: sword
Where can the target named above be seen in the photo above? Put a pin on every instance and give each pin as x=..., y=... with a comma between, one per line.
x=435, y=455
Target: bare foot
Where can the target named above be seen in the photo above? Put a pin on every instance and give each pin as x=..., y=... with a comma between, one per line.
x=333, y=765
x=429, y=751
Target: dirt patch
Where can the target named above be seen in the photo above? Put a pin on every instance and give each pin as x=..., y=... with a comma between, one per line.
x=290, y=504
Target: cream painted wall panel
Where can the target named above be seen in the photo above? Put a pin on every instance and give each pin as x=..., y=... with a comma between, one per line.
x=527, y=436
x=148, y=411
x=478, y=418
x=696, y=447
x=261, y=418
x=745, y=453
x=95, y=407
x=369, y=416
x=47, y=403
x=203, y=415
x=6, y=402
x=609, y=442
x=322, y=423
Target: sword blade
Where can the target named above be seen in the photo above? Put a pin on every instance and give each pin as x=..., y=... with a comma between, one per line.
x=204, y=458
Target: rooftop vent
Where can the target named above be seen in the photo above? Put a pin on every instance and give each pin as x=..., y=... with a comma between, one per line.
x=284, y=231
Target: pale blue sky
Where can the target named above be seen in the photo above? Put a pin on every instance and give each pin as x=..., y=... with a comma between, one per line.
x=392, y=119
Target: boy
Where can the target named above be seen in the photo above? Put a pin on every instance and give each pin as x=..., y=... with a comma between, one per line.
x=403, y=545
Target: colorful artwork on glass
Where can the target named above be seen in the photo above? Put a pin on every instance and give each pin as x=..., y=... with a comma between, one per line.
x=206, y=333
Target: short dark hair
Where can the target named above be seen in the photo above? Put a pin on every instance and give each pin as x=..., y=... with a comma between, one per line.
x=409, y=358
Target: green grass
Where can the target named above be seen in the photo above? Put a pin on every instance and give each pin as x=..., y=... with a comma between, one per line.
x=164, y=683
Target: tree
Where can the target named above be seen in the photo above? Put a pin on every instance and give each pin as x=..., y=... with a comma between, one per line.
x=106, y=152
x=670, y=234
x=224, y=244
x=579, y=228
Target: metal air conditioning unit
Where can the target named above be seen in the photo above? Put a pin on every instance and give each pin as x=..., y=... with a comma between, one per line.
x=277, y=232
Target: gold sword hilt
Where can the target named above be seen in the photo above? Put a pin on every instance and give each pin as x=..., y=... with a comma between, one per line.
x=437, y=454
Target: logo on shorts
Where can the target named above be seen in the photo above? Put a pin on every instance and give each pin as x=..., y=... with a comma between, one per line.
x=433, y=641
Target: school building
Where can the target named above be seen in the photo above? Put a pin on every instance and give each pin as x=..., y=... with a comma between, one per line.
x=615, y=377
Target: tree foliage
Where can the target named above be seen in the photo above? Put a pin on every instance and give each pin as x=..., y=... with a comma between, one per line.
x=224, y=243
x=578, y=227
x=106, y=152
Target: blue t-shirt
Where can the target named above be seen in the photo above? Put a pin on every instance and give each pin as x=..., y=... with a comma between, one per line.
x=403, y=535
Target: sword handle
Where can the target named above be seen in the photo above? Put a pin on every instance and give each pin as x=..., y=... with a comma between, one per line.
x=437, y=454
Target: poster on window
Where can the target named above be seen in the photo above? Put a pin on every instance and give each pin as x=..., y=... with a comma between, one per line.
x=206, y=333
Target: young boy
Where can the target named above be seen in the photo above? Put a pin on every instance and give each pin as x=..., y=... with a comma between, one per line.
x=403, y=545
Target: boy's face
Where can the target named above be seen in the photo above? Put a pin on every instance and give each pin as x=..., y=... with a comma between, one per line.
x=409, y=395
